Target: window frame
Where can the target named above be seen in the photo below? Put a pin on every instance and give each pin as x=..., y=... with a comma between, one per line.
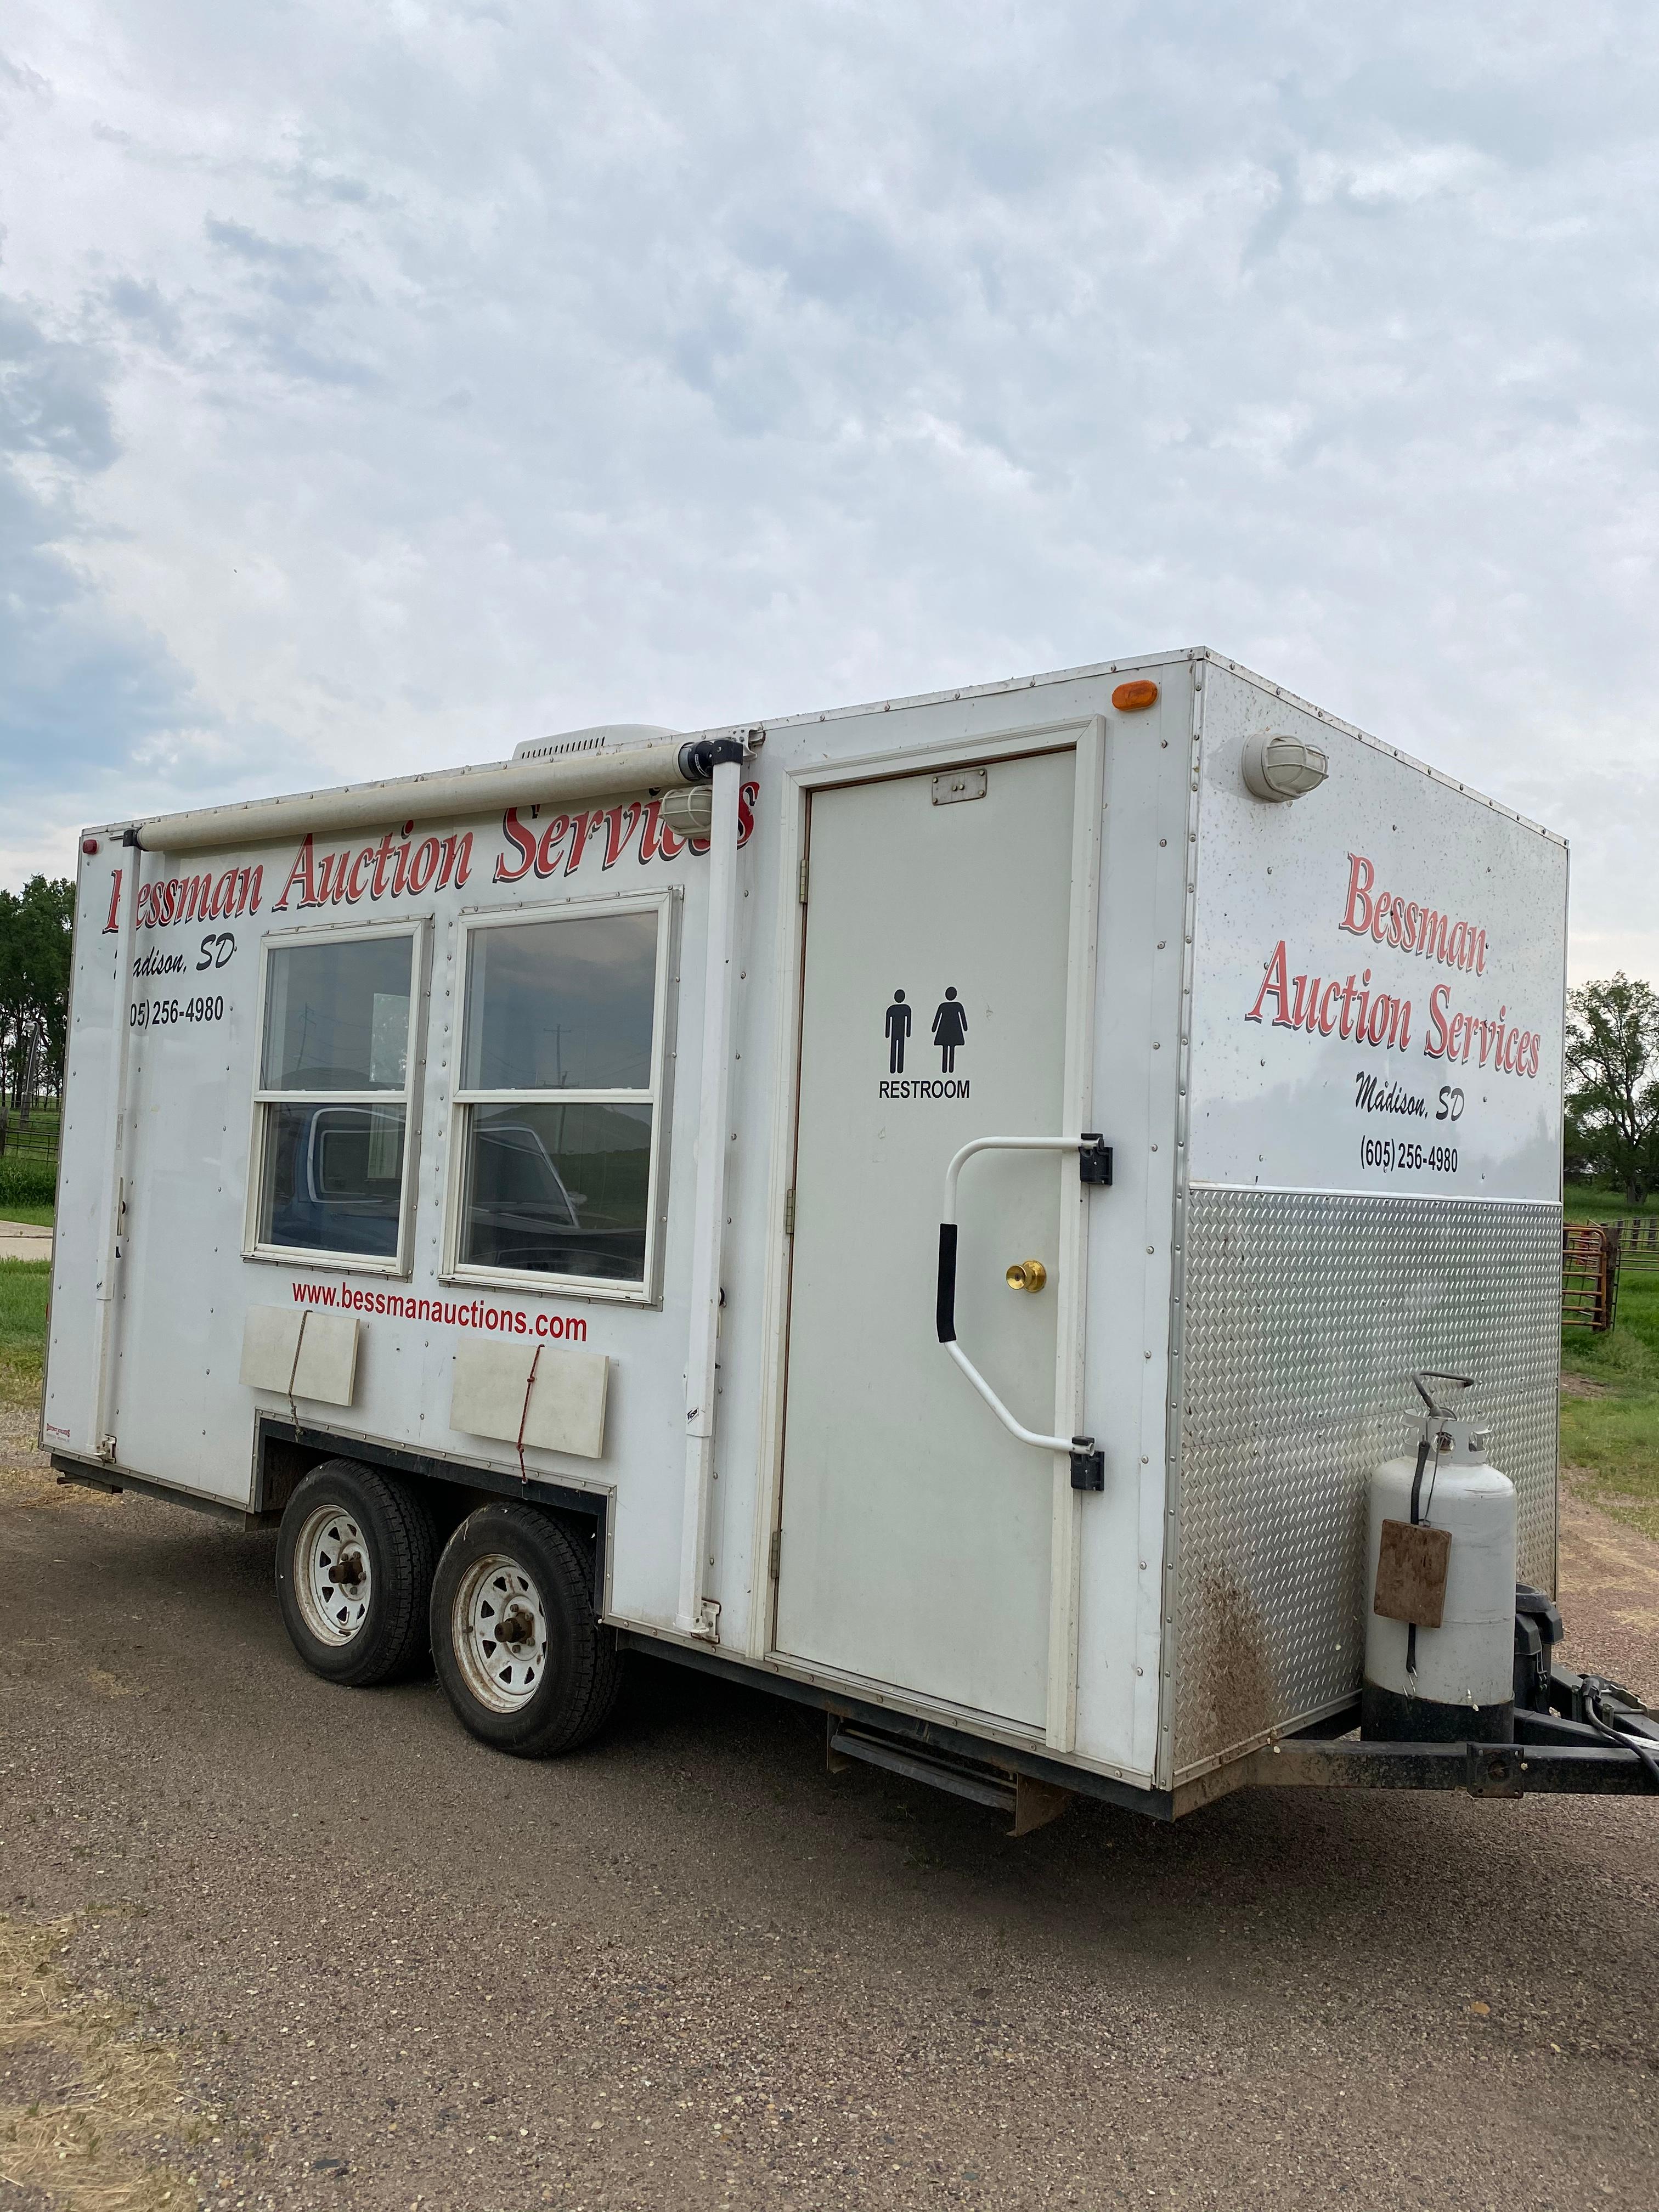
x=416, y=930
x=665, y=904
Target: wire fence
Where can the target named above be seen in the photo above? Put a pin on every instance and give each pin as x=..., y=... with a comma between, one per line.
x=1639, y=1239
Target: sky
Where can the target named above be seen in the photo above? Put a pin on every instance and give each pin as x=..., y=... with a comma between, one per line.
x=381, y=385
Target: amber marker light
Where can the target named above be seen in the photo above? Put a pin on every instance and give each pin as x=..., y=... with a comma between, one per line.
x=1129, y=697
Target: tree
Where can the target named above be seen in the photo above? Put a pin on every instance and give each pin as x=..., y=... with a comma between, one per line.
x=1613, y=1069
x=36, y=946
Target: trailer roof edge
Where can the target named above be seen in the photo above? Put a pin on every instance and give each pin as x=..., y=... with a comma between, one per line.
x=591, y=775
x=629, y=768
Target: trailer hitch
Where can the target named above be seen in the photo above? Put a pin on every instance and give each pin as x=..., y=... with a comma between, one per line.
x=1590, y=1737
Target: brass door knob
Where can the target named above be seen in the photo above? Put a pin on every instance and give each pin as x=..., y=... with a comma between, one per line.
x=1026, y=1275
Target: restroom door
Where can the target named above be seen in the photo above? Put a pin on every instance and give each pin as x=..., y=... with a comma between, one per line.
x=916, y=1531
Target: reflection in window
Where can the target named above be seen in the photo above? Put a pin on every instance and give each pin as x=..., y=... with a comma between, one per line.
x=561, y=1190
x=561, y=1006
x=337, y=1022
x=559, y=1100
x=337, y=1016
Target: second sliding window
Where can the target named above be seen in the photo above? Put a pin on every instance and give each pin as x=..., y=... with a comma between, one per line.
x=559, y=1097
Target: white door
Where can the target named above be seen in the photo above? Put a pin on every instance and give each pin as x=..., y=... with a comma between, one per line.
x=916, y=1545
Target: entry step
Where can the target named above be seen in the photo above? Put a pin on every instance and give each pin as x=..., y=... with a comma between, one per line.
x=1030, y=1803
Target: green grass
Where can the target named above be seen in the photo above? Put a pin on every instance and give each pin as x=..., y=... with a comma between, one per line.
x=1613, y=1439
x=26, y=1181
x=1595, y=1202
x=24, y=1284
x=38, y=1216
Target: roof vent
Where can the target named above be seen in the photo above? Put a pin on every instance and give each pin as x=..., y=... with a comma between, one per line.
x=605, y=737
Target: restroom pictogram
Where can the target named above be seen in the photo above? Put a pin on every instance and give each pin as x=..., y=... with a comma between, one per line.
x=949, y=1030
x=898, y=1029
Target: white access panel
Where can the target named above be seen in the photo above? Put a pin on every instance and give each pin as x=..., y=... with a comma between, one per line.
x=301, y=1352
x=540, y=1395
x=916, y=1532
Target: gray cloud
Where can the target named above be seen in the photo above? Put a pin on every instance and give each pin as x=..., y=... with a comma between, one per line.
x=83, y=681
x=497, y=369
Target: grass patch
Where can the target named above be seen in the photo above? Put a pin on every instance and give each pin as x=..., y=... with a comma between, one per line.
x=38, y=1216
x=27, y=1182
x=104, y=2091
x=24, y=1286
x=1611, y=1438
x=1597, y=1202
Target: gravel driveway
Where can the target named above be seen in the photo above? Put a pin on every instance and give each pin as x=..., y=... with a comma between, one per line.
x=315, y=1946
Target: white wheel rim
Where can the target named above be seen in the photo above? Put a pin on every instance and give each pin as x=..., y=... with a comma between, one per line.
x=498, y=1626
x=332, y=1576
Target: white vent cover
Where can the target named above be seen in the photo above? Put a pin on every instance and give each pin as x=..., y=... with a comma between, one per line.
x=605, y=737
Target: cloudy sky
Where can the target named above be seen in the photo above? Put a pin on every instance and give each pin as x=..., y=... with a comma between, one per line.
x=380, y=385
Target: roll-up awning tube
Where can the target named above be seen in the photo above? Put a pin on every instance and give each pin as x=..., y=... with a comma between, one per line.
x=663, y=762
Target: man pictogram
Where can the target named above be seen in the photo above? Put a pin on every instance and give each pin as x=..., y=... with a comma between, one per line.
x=898, y=1027
x=949, y=1030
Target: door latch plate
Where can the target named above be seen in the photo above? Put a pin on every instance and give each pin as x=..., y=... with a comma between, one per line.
x=1094, y=1158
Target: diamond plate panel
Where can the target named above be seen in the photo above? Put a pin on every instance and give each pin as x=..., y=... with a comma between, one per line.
x=1306, y=1313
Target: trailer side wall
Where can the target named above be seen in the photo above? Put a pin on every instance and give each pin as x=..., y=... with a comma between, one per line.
x=1372, y=1187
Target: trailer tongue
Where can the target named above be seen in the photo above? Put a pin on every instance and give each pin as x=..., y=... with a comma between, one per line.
x=931, y=1209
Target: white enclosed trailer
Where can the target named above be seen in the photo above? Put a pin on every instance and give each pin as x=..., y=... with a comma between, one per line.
x=553, y=1156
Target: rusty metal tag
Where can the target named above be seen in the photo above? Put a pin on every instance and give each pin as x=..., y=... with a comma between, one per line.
x=1411, y=1573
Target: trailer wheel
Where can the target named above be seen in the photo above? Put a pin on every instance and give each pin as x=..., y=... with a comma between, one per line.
x=354, y=1558
x=523, y=1659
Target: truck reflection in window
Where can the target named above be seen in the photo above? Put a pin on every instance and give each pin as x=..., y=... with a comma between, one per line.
x=557, y=1105
x=336, y=1175
x=558, y=1189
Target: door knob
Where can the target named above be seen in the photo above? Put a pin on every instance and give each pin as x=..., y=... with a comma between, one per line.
x=1026, y=1275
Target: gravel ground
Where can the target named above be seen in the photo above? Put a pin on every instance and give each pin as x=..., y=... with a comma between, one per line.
x=361, y=1962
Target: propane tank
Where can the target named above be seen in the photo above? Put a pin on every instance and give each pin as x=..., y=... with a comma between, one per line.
x=1453, y=1682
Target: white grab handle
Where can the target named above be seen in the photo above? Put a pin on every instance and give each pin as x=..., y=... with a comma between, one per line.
x=1094, y=1164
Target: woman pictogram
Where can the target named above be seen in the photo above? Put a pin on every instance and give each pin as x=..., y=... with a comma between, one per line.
x=949, y=1030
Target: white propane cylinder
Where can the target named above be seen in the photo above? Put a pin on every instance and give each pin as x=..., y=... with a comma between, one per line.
x=1461, y=1686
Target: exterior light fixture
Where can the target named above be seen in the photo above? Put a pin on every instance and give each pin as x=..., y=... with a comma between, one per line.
x=1277, y=767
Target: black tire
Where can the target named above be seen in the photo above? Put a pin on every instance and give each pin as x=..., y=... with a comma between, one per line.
x=388, y=1528
x=551, y=1686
